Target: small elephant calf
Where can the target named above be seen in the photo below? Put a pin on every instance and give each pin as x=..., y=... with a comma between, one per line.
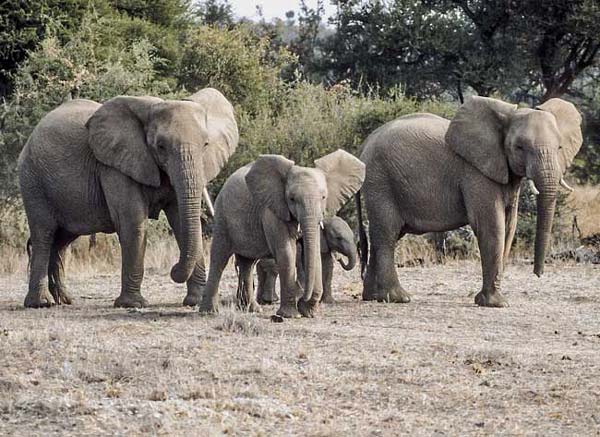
x=257, y=215
x=336, y=237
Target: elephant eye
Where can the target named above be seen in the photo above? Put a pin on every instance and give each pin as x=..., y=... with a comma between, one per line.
x=206, y=143
x=292, y=199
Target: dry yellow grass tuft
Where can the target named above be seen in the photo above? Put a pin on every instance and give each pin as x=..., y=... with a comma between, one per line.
x=585, y=202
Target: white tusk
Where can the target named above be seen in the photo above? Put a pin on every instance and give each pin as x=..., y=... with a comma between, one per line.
x=209, y=205
x=532, y=187
x=321, y=224
x=566, y=186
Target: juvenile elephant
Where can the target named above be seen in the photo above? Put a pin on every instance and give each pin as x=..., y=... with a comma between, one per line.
x=336, y=237
x=427, y=174
x=258, y=213
x=90, y=168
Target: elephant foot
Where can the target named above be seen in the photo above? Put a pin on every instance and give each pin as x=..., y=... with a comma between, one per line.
x=289, y=312
x=495, y=300
x=266, y=301
x=61, y=296
x=253, y=307
x=43, y=299
x=328, y=298
x=395, y=295
x=192, y=299
x=307, y=309
x=368, y=296
x=209, y=306
x=130, y=300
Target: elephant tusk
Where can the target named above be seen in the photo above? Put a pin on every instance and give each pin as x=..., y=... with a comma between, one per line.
x=321, y=224
x=533, y=188
x=566, y=186
x=209, y=205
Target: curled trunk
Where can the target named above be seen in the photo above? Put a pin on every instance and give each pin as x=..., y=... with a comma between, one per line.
x=351, y=255
x=546, y=204
x=189, y=191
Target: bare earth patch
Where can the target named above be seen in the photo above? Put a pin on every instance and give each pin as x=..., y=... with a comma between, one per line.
x=439, y=365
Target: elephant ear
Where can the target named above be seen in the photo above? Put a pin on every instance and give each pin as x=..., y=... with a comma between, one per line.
x=568, y=121
x=117, y=137
x=222, y=130
x=266, y=181
x=476, y=133
x=345, y=174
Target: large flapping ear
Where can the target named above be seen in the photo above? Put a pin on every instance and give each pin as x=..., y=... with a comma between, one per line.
x=568, y=121
x=266, y=181
x=476, y=133
x=345, y=174
x=222, y=130
x=117, y=137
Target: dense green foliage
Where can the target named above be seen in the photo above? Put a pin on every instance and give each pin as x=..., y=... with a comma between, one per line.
x=301, y=87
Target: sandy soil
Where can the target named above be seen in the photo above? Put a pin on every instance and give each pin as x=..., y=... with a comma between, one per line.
x=439, y=365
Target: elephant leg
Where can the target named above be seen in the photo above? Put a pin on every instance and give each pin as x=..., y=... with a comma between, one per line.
x=327, y=271
x=133, y=247
x=220, y=252
x=381, y=282
x=246, y=299
x=56, y=280
x=266, y=271
x=197, y=281
x=38, y=295
x=290, y=289
x=490, y=237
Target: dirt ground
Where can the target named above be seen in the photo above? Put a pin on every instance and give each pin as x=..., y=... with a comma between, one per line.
x=439, y=365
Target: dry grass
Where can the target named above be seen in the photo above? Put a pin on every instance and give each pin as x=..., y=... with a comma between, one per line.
x=585, y=201
x=438, y=365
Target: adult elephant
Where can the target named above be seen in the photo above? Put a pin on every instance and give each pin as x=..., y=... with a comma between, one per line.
x=337, y=238
x=428, y=174
x=90, y=168
x=258, y=214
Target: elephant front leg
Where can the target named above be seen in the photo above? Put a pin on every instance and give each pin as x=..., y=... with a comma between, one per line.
x=290, y=289
x=491, y=237
x=196, y=284
x=133, y=248
x=327, y=271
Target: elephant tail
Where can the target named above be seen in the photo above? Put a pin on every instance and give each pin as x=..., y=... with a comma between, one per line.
x=363, y=248
x=28, y=247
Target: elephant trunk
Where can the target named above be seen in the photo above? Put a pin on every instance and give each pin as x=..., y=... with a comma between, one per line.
x=547, y=183
x=352, y=256
x=312, y=252
x=188, y=189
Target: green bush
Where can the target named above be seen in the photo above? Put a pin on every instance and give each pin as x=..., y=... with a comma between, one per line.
x=235, y=61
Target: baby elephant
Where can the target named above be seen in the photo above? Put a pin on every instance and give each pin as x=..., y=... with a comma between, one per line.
x=258, y=214
x=336, y=237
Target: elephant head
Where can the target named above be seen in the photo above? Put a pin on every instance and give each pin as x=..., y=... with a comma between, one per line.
x=501, y=140
x=184, y=143
x=337, y=236
x=304, y=195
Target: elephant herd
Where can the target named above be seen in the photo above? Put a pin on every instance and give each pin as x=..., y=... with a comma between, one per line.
x=90, y=167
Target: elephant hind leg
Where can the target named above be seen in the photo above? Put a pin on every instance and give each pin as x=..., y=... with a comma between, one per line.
x=246, y=298
x=38, y=295
x=56, y=282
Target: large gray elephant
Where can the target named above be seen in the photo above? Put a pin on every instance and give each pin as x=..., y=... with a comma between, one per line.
x=258, y=214
x=90, y=168
x=428, y=174
x=336, y=238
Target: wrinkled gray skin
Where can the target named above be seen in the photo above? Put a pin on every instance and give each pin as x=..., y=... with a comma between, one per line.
x=336, y=238
x=90, y=168
x=428, y=174
x=257, y=215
